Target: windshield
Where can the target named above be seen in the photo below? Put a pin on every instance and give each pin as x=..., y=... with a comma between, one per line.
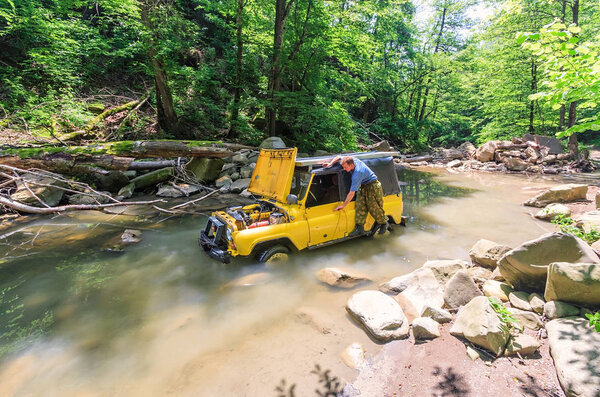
x=300, y=183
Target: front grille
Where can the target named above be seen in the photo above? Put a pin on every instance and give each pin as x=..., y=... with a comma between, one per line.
x=215, y=231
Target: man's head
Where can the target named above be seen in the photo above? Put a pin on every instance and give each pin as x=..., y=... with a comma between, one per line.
x=347, y=163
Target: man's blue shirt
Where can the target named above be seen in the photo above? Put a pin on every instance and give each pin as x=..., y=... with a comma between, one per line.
x=361, y=175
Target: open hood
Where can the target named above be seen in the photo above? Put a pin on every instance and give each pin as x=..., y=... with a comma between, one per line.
x=272, y=176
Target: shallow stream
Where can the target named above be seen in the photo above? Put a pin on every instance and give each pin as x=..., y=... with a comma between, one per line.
x=159, y=317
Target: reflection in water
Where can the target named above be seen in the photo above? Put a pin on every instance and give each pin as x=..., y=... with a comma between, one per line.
x=162, y=318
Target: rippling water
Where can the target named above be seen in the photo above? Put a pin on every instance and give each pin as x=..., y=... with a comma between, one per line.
x=78, y=318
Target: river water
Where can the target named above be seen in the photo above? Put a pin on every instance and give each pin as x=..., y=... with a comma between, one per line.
x=160, y=318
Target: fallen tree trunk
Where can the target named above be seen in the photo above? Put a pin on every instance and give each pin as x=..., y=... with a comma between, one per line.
x=71, y=160
x=64, y=208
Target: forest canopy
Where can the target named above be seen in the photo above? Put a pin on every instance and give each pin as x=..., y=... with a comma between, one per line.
x=321, y=74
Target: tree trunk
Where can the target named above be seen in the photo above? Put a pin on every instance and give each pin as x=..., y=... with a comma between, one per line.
x=573, y=146
x=233, y=129
x=167, y=118
x=436, y=49
x=282, y=9
x=533, y=90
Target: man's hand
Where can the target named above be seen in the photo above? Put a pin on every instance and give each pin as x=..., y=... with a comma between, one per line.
x=325, y=164
x=339, y=207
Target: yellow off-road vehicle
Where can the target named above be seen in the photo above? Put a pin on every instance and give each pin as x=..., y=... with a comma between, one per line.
x=295, y=207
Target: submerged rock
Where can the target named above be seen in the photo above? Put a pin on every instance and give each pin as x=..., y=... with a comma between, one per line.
x=354, y=355
x=343, y=278
x=131, y=236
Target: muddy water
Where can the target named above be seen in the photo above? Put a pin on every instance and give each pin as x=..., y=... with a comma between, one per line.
x=160, y=318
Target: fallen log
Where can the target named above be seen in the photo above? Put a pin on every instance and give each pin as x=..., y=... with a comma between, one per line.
x=71, y=160
x=418, y=159
x=6, y=201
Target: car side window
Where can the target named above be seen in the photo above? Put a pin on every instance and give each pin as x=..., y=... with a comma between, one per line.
x=324, y=189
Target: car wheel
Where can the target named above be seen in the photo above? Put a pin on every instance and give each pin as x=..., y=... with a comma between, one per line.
x=275, y=254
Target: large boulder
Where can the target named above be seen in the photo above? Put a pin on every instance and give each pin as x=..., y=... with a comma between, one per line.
x=559, y=194
x=424, y=290
x=525, y=267
x=577, y=283
x=31, y=184
x=342, y=278
x=460, y=289
x=203, y=169
x=551, y=211
x=574, y=346
x=487, y=253
x=273, y=142
x=479, y=323
x=486, y=151
x=380, y=314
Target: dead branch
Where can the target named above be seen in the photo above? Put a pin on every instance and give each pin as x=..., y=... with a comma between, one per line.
x=194, y=201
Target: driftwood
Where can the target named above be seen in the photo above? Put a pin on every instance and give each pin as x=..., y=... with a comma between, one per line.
x=418, y=158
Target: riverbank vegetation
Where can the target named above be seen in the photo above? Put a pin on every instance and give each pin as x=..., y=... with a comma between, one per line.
x=320, y=74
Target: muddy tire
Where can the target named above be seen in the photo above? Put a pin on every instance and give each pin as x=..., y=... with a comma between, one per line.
x=276, y=253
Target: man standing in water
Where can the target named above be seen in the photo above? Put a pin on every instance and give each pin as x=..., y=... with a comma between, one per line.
x=369, y=195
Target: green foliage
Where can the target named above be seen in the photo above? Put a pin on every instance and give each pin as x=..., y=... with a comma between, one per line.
x=571, y=70
x=503, y=314
x=594, y=320
x=568, y=225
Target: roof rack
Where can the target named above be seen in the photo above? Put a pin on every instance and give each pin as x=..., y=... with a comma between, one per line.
x=308, y=161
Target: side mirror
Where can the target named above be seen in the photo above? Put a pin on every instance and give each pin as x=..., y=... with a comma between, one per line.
x=292, y=199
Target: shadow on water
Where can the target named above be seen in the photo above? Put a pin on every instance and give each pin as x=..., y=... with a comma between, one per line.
x=70, y=288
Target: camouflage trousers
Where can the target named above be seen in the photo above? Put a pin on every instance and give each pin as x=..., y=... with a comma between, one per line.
x=369, y=199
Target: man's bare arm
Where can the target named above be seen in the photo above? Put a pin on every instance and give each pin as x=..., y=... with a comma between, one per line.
x=328, y=164
x=349, y=198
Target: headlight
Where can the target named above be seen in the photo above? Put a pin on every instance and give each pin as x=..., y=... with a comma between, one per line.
x=228, y=234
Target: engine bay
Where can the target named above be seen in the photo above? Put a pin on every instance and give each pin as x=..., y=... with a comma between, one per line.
x=260, y=214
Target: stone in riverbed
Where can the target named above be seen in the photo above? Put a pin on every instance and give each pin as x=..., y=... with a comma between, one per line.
x=479, y=323
x=273, y=142
x=437, y=314
x=203, y=169
x=559, y=194
x=558, y=309
x=425, y=328
x=526, y=267
x=590, y=221
x=342, y=278
x=497, y=289
x=522, y=344
x=528, y=319
x=574, y=346
x=380, y=314
x=487, y=253
x=239, y=185
x=51, y=195
x=486, y=151
x=131, y=236
x=577, y=283
x=354, y=356
x=553, y=210
x=460, y=289
x=424, y=290
x=444, y=269
x=223, y=181
x=520, y=300
x=537, y=302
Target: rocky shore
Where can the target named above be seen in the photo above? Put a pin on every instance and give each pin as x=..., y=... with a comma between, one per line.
x=520, y=311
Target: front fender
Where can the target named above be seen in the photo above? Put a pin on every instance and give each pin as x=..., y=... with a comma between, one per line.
x=296, y=232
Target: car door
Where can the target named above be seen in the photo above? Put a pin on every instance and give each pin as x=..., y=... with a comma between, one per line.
x=324, y=195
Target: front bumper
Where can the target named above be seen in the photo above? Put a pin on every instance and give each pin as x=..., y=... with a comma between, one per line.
x=212, y=249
